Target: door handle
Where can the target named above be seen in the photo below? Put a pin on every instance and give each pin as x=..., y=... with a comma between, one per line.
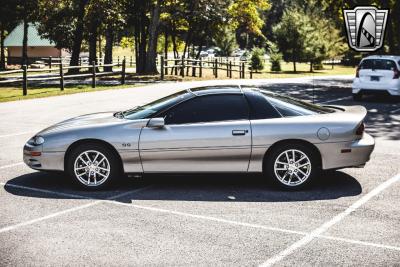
x=239, y=132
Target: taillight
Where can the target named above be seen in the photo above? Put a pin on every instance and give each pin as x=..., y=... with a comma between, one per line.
x=396, y=74
x=360, y=129
x=358, y=72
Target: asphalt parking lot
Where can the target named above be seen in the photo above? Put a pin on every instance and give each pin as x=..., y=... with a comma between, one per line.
x=348, y=217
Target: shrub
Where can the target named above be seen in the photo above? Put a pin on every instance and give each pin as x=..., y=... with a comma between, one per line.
x=275, y=57
x=256, y=60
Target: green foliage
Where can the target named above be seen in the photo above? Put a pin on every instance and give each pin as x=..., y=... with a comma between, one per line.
x=226, y=42
x=127, y=42
x=275, y=57
x=303, y=37
x=245, y=14
x=257, y=59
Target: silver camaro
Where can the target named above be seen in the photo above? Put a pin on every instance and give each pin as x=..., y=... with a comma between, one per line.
x=207, y=129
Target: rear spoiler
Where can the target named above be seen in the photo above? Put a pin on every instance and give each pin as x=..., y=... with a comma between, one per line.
x=356, y=113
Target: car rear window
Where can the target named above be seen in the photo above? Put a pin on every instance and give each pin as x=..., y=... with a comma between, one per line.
x=288, y=106
x=378, y=64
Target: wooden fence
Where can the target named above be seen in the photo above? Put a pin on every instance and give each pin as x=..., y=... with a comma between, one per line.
x=194, y=67
x=91, y=71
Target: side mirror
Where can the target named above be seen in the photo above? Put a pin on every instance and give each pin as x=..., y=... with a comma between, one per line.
x=156, y=123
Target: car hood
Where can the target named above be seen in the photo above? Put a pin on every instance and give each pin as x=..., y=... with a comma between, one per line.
x=89, y=120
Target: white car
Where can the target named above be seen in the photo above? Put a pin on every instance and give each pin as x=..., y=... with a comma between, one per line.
x=377, y=74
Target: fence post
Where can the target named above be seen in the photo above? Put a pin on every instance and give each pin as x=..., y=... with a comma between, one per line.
x=227, y=68
x=201, y=68
x=61, y=77
x=123, y=73
x=25, y=80
x=50, y=63
x=243, y=71
x=216, y=68
x=183, y=67
x=94, y=74
x=162, y=67
x=118, y=62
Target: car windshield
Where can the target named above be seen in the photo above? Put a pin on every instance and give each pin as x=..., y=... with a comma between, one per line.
x=289, y=106
x=378, y=64
x=153, y=108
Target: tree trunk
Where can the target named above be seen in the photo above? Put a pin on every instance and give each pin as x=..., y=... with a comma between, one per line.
x=174, y=45
x=141, y=59
x=151, y=66
x=78, y=35
x=93, y=44
x=2, y=53
x=294, y=65
x=108, y=50
x=25, y=43
x=311, y=66
x=166, y=44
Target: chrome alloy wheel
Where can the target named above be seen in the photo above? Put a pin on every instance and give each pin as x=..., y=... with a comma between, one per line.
x=92, y=168
x=292, y=167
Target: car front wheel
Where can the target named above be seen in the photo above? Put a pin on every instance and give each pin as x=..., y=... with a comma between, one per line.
x=93, y=166
x=292, y=166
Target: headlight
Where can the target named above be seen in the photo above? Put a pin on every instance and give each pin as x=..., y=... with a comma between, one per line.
x=36, y=140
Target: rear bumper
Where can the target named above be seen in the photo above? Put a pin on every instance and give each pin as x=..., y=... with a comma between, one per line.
x=49, y=161
x=392, y=87
x=346, y=154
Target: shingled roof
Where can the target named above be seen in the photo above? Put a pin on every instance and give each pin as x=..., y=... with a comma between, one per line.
x=15, y=38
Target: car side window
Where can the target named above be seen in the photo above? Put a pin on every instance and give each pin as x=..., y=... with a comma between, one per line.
x=260, y=108
x=209, y=108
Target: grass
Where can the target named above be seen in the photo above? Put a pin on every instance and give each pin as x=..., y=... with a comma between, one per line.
x=13, y=93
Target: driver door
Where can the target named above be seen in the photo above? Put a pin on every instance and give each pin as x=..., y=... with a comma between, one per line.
x=209, y=133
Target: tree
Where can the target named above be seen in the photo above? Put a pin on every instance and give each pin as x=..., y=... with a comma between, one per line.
x=246, y=18
x=8, y=21
x=288, y=36
x=256, y=59
x=226, y=41
x=28, y=12
x=63, y=21
x=274, y=57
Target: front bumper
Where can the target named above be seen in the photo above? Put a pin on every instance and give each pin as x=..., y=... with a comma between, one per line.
x=36, y=159
x=346, y=154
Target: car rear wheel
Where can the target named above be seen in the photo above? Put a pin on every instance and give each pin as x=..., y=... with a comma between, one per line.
x=93, y=166
x=292, y=166
x=357, y=97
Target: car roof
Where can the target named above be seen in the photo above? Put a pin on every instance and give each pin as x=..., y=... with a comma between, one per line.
x=220, y=89
x=383, y=57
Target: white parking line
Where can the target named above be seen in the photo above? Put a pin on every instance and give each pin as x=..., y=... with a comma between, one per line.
x=11, y=165
x=394, y=111
x=323, y=228
x=56, y=214
x=15, y=226
x=44, y=191
x=335, y=100
x=185, y=214
x=16, y=134
x=252, y=225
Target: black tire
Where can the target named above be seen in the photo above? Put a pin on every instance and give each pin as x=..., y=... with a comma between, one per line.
x=357, y=97
x=114, y=166
x=278, y=152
